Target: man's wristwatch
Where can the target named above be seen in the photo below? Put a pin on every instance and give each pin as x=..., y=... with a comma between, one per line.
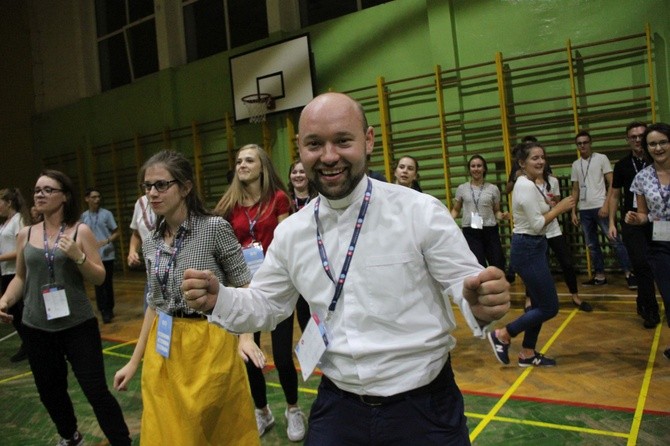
x=82, y=260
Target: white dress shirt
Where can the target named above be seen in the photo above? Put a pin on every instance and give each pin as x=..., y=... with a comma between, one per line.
x=390, y=331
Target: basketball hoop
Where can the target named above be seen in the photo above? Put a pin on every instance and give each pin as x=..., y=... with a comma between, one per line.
x=258, y=105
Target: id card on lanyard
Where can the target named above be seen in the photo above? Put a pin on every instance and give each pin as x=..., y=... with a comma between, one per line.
x=164, y=328
x=55, y=299
x=253, y=254
x=315, y=340
x=164, y=334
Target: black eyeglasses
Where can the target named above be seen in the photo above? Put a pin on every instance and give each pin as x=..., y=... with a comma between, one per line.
x=636, y=137
x=160, y=185
x=46, y=190
x=661, y=144
x=583, y=143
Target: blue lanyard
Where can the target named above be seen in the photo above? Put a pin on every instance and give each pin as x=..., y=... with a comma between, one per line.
x=297, y=203
x=476, y=200
x=339, y=285
x=177, y=246
x=50, y=254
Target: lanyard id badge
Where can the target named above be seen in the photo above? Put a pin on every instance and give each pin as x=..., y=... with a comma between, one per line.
x=253, y=256
x=164, y=334
x=476, y=221
x=55, y=301
x=661, y=231
x=312, y=345
x=582, y=192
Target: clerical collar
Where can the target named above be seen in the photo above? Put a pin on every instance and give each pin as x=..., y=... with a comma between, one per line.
x=354, y=197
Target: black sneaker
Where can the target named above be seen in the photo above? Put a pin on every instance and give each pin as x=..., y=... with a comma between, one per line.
x=631, y=280
x=499, y=348
x=651, y=320
x=593, y=281
x=539, y=360
x=76, y=440
x=666, y=353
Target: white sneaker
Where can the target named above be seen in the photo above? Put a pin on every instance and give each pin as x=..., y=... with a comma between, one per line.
x=295, y=423
x=264, y=421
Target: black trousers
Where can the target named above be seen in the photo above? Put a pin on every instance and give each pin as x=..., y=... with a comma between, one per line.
x=635, y=238
x=436, y=417
x=282, y=352
x=49, y=353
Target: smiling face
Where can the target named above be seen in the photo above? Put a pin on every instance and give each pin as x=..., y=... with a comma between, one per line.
x=298, y=177
x=533, y=165
x=48, y=203
x=334, y=144
x=248, y=168
x=659, y=148
x=169, y=203
x=405, y=173
x=477, y=169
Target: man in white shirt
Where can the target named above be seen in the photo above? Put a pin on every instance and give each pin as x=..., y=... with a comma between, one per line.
x=591, y=176
x=389, y=346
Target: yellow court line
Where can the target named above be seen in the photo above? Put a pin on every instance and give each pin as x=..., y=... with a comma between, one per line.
x=15, y=377
x=301, y=389
x=642, y=399
x=506, y=396
x=114, y=347
x=562, y=427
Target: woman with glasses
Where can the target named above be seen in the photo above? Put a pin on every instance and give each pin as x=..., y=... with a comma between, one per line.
x=254, y=204
x=480, y=203
x=194, y=388
x=652, y=188
x=53, y=260
x=14, y=210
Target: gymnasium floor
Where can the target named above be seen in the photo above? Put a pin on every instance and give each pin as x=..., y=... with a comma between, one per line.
x=611, y=385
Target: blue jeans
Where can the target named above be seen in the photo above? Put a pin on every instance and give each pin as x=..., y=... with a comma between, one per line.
x=590, y=223
x=528, y=257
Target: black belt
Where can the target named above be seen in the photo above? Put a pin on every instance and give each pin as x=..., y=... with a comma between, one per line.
x=182, y=314
x=441, y=382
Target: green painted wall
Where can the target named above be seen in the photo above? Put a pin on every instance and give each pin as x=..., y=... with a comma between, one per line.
x=399, y=39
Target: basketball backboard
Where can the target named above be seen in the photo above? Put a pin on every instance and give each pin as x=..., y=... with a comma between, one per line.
x=282, y=69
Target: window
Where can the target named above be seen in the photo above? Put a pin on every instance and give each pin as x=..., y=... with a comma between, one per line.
x=127, y=47
x=317, y=11
x=213, y=26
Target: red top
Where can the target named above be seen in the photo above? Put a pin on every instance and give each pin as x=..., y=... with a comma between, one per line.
x=242, y=217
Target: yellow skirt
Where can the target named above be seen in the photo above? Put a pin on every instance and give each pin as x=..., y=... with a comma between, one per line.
x=200, y=394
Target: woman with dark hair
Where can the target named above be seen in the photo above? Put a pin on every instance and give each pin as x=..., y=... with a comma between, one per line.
x=254, y=204
x=14, y=210
x=406, y=172
x=480, y=203
x=54, y=258
x=194, y=388
x=533, y=212
x=652, y=190
x=301, y=192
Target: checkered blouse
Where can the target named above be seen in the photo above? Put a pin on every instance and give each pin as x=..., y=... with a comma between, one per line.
x=208, y=243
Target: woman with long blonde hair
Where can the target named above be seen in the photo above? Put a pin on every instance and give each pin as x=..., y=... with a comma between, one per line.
x=255, y=204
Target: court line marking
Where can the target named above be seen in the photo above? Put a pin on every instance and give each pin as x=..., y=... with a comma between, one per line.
x=506, y=396
x=9, y=335
x=554, y=426
x=646, y=382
